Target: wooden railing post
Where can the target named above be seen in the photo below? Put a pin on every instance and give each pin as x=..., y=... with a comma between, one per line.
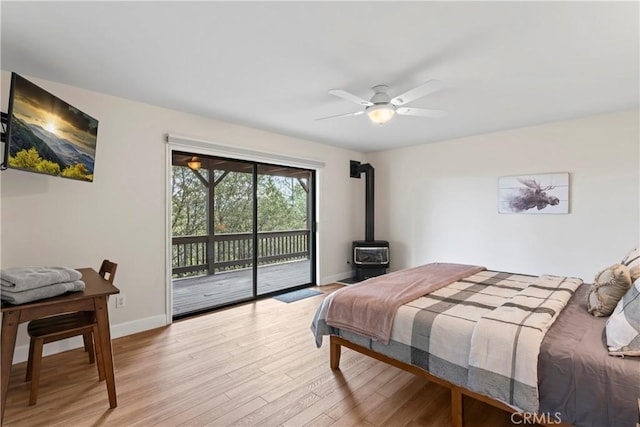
x=211, y=255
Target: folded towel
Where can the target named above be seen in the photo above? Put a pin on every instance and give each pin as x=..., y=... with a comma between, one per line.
x=41, y=292
x=19, y=279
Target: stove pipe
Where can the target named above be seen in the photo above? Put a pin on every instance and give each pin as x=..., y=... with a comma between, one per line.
x=356, y=170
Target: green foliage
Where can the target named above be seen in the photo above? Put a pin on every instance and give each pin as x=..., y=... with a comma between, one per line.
x=282, y=203
x=233, y=203
x=49, y=167
x=26, y=159
x=77, y=171
x=189, y=203
x=30, y=159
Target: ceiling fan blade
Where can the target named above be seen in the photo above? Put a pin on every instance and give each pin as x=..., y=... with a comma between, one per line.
x=357, y=113
x=421, y=112
x=349, y=97
x=417, y=92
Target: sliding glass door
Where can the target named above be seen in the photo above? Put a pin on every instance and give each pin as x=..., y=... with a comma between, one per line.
x=284, y=212
x=240, y=230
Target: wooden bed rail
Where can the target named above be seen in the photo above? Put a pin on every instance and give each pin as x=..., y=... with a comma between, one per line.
x=457, y=392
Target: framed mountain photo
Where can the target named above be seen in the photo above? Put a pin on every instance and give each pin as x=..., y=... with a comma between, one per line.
x=47, y=135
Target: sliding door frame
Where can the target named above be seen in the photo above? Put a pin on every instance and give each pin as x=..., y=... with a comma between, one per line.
x=207, y=148
x=254, y=230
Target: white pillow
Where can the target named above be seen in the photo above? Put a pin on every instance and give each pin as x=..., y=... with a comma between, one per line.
x=632, y=260
x=623, y=327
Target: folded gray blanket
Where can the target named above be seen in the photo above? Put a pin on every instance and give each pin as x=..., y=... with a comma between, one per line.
x=41, y=292
x=19, y=279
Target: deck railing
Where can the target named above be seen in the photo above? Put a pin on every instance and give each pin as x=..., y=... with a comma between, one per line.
x=213, y=254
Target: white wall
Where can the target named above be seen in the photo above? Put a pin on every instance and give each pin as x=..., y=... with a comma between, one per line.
x=438, y=202
x=121, y=215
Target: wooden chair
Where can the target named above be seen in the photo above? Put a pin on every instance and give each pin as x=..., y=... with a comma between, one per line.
x=63, y=326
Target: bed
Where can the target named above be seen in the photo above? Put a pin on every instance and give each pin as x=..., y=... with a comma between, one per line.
x=525, y=344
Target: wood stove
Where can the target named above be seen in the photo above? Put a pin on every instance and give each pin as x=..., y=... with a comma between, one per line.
x=370, y=257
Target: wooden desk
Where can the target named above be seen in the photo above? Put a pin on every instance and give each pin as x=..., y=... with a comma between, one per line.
x=93, y=298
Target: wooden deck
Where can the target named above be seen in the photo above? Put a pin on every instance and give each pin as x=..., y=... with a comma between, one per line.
x=199, y=293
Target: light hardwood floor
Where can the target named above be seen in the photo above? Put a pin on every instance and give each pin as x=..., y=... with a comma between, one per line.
x=255, y=364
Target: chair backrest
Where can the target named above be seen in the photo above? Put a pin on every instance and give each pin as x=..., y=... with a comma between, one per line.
x=108, y=270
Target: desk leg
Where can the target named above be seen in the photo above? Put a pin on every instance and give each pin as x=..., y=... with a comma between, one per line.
x=10, y=320
x=102, y=319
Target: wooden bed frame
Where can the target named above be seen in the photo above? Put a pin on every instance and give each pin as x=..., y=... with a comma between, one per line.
x=457, y=392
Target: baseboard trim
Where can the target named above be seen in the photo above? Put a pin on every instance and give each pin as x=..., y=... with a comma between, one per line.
x=21, y=353
x=335, y=278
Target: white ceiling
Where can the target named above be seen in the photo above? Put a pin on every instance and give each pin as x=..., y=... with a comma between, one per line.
x=269, y=65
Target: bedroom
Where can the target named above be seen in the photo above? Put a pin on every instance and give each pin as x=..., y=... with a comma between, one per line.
x=435, y=201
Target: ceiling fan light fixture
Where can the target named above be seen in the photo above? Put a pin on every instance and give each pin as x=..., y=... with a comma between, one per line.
x=381, y=107
x=381, y=114
x=194, y=164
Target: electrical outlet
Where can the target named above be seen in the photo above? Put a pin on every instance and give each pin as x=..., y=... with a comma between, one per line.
x=120, y=301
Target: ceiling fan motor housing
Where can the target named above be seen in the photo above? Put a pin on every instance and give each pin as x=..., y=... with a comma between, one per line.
x=380, y=95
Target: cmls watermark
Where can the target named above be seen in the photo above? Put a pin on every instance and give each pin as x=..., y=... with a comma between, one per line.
x=524, y=418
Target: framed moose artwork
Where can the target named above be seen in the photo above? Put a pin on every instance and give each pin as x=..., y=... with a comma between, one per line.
x=534, y=194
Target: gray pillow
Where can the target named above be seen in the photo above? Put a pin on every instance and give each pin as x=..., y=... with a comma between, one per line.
x=608, y=287
x=623, y=327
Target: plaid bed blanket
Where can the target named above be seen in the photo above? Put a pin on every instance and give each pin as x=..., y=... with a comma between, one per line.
x=434, y=332
x=503, y=361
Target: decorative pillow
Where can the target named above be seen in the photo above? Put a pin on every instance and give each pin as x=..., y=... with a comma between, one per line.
x=632, y=260
x=608, y=287
x=623, y=327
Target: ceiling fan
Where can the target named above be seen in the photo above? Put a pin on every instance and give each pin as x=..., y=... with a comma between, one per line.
x=381, y=108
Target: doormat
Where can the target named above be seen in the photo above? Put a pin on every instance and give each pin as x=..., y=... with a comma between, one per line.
x=297, y=295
